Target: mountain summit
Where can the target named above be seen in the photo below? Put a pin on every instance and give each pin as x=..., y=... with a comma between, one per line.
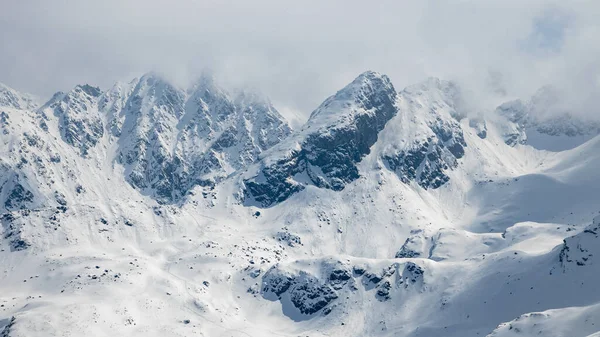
x=149, y=210
x=324, y=153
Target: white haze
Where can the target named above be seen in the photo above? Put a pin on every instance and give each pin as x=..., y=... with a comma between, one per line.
x=300, y=52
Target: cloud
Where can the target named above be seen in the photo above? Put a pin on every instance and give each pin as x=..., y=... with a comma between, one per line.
x=300, y=52
x=548, y=33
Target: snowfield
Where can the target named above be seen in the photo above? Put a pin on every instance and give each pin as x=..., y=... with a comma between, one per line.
x=152, y=210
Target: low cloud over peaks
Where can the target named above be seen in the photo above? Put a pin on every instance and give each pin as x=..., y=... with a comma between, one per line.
x=298, y=53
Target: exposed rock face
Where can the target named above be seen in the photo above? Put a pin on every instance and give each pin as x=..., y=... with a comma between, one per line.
x=545, y=114
x=11, y=98
x=8, y=327
x=480, y=125
x=514, y=131
x=79, y=121
x=318, y=291
x=310, y=297
x=167, y=139
x=414, y=246
x=412, y=274
x=12, y=229
x=146, y=126
x=307, y=293
x=4, y=123
x=426, y=149
x=172, y=140
x=292, y=240
x=428, y=160
x=14, y=190
x=579, y=249
x=325, y=152
x=18, y=197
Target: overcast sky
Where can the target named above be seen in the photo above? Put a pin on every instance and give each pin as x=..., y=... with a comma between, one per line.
x=300, y=52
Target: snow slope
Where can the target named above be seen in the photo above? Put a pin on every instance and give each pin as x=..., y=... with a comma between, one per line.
x=150, y=210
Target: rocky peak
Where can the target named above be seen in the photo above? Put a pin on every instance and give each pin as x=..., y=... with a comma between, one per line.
x=324, y=153
x=368, y=91
x=543, y=119
x=11, y=98
x=171, y=140
x=425, y=140
x=155, y=96
x=513, y=127
x=148, y=136
x=89, y=90
x=258, y=110
x=207, y=108
x=113, y=104
x=79, y=122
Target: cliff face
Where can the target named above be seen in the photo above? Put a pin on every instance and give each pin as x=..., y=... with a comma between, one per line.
x=325, y=152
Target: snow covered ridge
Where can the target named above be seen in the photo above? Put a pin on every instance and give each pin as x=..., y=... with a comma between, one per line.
x=324, y=153
x=414, y=133
x=149, y=210
x=171, y=140
x=80, y=123
x=168, y=140
x=14, y=99
x=544, y=122
x=426, y=140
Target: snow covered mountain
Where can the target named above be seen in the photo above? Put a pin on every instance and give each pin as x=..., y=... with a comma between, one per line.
x=167, y=139
x=151, y=210
x=13, y=99
x=324, y=153
x=545, y=123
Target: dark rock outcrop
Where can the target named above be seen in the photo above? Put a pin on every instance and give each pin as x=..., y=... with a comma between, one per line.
x=305, y=292
x=171, y=141
x=428, y=160
x=579, y=250
x=325, y=152
x=80, y=123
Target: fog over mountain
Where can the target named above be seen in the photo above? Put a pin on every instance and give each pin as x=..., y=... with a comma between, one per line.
x=204, y=168
x=299, y=52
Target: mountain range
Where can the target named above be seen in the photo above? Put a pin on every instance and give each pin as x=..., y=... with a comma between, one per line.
x=153, y=210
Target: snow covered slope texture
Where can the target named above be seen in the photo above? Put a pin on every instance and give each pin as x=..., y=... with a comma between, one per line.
x=425, y=140
x=324, y=153
x=418, y=137
x=11, y=98
x=168, y=139
x=80, y=123
x=387, y=214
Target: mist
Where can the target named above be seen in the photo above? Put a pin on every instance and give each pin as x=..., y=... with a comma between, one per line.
x=299, y=53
